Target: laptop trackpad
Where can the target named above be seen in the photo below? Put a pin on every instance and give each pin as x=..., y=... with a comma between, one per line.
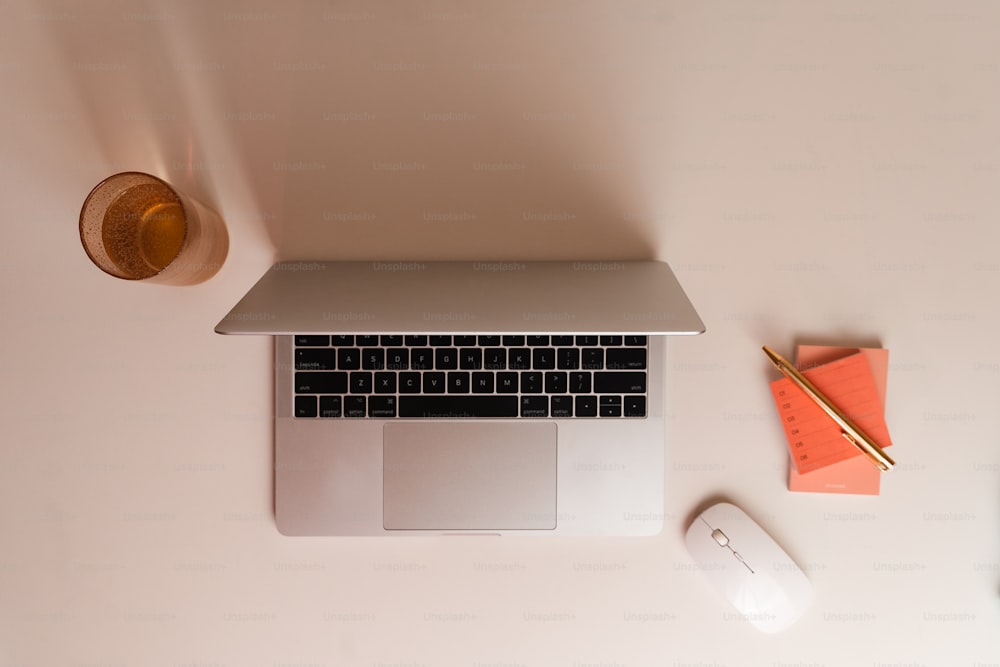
x=469, y=475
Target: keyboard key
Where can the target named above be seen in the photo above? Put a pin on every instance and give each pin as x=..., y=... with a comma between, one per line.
x=464, y=341
x=312, y=341
x=611, y=406
x=329, y=406
x=534, y=406
x=315, y=360
x=562, y=341
x=579, y=383
x=543, y=358
x=382, y=406
x=495, y=358
x=620, y=382
x=592, y=358
x=458, y=382
x=415, y=341
x=588, y=341
x=409, y=383
x=422, y=359
x=586, y=406
x=507, y=383
x=348, y=358
x=482, y=383
x=354, y=406
x=439, y=341
x=536, y=341
x=397, y=359
x=305, y=406
x=373, y=359
x=568, y=358
x=434, y=383
x=361, y=383
x=635, y=406
x=342, y=341
x=611, y=340
x=390, y=341
x=385, y=383
x=562, y=406
x=531, y=383
x=366, y=341
x=321, y=382
x=511, y=341
x=489, y=341
x=635, y=340
x=555, y=383
x=519, y=358
x=625, y=357
x=458, y=406
x=446, y=359
x=470, y=358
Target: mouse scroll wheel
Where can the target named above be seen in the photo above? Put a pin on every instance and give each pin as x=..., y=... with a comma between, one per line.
x=720, y=537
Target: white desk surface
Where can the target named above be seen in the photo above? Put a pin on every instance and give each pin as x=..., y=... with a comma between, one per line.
x=821, y=171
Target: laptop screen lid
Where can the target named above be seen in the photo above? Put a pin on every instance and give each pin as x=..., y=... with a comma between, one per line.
x=300, y=297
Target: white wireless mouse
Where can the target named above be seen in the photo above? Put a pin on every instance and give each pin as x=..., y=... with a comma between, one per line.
x=748, y=567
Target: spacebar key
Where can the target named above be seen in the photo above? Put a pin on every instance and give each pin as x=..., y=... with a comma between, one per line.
x=457, y=406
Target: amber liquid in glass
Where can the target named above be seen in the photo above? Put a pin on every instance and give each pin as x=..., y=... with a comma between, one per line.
x=144, y=230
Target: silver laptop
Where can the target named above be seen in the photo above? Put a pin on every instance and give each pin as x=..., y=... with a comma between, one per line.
x=511, y=398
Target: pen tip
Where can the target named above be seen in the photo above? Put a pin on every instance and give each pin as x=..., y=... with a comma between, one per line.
x=773, y=356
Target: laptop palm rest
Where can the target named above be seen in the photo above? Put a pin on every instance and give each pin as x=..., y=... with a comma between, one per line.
x=469, y=476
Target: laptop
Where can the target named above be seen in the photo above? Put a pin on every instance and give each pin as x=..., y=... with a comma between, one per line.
x=506, y=398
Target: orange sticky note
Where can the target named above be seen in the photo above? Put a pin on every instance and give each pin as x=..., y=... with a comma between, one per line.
x=815, y=440
x=852, y=476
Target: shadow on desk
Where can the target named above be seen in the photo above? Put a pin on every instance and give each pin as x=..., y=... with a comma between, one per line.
x=402, y=136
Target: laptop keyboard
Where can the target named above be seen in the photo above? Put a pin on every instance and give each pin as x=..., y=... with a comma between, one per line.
x=469, y=376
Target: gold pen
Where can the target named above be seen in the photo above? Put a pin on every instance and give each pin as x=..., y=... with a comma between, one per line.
x=849, y=430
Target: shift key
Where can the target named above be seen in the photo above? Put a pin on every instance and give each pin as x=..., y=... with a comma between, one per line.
x=620, y=382
x=318, y=382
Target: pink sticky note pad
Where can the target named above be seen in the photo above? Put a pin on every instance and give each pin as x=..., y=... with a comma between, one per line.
x=856, y=475
x=816, y=441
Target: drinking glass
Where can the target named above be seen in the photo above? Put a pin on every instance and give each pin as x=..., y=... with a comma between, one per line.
x=135, y=226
